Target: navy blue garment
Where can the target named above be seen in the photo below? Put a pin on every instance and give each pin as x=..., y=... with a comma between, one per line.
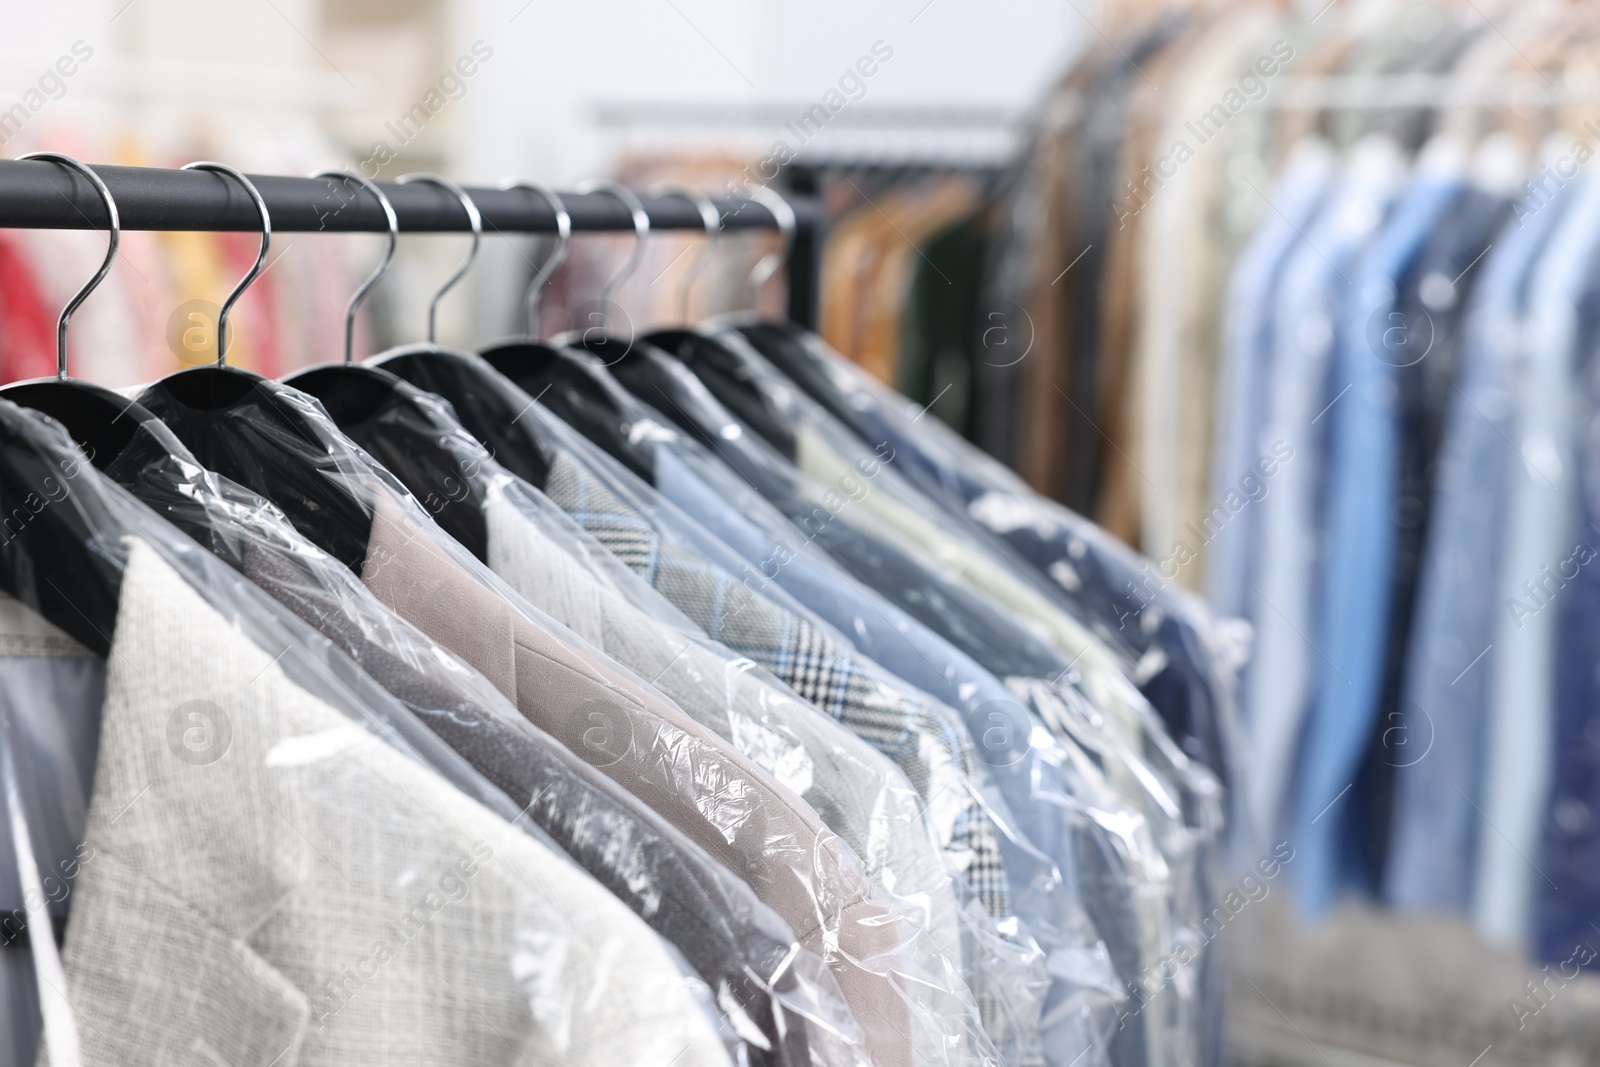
x=1569, y=910
x=1445, y=699
x=1433, y=295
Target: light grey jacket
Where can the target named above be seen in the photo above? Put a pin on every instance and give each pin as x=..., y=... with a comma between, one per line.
x=271, y=883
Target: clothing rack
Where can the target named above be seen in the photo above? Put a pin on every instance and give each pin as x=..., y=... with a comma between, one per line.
x=906, y=132
x=1379, y=92
x=804, y=178
x=933, y=137
x=35, y=194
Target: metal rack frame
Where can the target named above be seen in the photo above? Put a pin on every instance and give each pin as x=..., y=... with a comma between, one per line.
x=39, y=195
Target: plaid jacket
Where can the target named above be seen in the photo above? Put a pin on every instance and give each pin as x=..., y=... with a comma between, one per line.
x=922, y=737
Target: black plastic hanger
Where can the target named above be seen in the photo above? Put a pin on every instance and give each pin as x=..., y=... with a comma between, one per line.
x=707, y=357
x=718, y=358
x=59, y=543
x=578, y=388
x=783, y=342
x=487, y=405
x=263, y=434
x=58, y=538
x=720, y=368
x=783, y=345
x=387, y=416
x=101, y=421
x=564, y=378
x=643, y=366
x=349, y=383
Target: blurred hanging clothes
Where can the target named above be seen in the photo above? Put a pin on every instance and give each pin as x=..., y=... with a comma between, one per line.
x=1279, y=685
x=1148, y=166
x=940, y=326
x=1175, y=334
x=1362, y=485
x=1336, y=366
x=1430, y=307
x=874, y=264
x=1433, y=847
x=1060, y=442
x=1243, y=378
x=1567, y=905
x=1541, y=516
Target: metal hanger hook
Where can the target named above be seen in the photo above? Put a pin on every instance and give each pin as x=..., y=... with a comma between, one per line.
x=473, y=218
x=710, y=218
x=380, y=270
x=641, y=230
x=535, y=292
x=105, y=268
x=768, y=264
x=261, y=257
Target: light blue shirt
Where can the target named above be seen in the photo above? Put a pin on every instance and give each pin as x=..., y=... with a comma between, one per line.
x=1362, y=475
x=1277, y=683
x=1246, y=356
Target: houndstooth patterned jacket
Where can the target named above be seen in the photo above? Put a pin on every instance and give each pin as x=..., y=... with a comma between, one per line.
x=924, y=738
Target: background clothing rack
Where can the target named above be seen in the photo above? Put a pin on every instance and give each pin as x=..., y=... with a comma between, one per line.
x=39, y=195
x=905, y=133
x=856, y=137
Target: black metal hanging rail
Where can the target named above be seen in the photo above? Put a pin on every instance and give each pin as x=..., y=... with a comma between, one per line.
x=38, y=195
x=35, y=194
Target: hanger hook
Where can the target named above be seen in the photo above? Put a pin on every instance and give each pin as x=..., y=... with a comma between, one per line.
x=641, y=229
x=710, y=219
x=380, y=270
x=261, y=257
x=105, y=268
x=473, y=217
x=768, y=264
x=535, y=292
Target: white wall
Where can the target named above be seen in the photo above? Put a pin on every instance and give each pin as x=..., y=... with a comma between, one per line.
x=532, y=115
x=531, y=110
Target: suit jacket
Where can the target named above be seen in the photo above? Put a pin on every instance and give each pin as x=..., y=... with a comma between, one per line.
x=1026, y=759
x=273, y=884
x=832, y=769
x=724, y=803
x=859, y=793
x=742, y=950
x=729, y=937
x=528, y=540
x=922, y=736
